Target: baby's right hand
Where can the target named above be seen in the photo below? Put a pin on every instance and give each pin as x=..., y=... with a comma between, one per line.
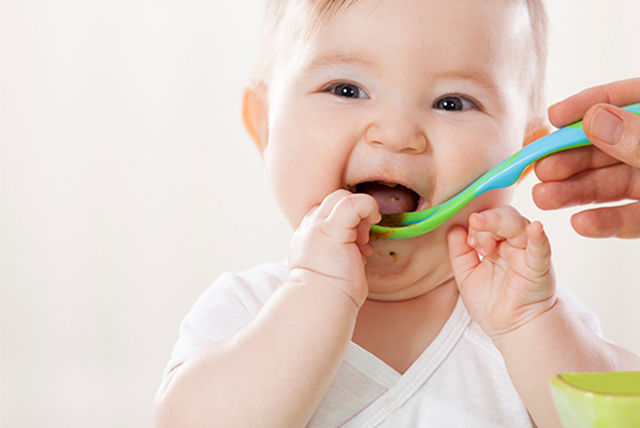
x=331, y=245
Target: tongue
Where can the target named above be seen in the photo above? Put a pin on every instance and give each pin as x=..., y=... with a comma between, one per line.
x=391, y=199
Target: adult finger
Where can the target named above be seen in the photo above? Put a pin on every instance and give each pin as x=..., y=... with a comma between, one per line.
x=572, y=109
x=619, y=221
x=614, y=131
x=611, y=183
x=562, y=165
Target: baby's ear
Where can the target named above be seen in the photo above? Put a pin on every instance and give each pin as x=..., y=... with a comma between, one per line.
x=255, y=113
x=537, y=128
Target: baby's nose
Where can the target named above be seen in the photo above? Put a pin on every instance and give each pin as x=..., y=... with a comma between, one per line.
x=398, y=131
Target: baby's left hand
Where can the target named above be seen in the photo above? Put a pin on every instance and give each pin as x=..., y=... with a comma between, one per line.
x=514, y=281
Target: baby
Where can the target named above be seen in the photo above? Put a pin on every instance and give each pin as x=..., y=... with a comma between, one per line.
x=370, y=107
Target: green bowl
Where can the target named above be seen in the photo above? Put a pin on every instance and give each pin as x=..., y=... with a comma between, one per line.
x=593, y=400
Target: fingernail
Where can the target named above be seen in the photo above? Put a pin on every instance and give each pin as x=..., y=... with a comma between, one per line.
x=606, y=126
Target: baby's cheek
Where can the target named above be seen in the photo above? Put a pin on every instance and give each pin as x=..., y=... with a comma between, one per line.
x=495, y=198
x=290, y=199
x=492, y=199
x=290, y=185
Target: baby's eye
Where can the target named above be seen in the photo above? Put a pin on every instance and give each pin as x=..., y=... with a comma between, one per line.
x=347, y=90
x=454, y=103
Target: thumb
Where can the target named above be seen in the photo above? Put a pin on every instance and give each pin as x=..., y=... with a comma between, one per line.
x=464, y=258
x=614, y=131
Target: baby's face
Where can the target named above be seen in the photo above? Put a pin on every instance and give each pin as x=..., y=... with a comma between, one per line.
x=423, y=93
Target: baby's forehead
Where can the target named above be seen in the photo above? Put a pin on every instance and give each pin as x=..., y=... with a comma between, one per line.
x=297, y=25
x=466, y=34
x=312, y=15
x=464, y=22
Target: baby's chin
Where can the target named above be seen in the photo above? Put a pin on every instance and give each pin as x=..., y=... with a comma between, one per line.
x=401, y=269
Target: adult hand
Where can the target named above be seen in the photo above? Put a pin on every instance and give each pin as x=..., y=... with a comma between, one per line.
x=609, y=171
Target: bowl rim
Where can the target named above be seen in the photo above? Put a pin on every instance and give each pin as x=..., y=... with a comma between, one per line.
x=559, y=381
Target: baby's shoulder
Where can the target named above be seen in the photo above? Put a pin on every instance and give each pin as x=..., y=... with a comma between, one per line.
x=252, y=287
x=225, y=307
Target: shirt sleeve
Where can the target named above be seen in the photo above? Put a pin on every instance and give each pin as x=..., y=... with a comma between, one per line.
x=229, y=304
x=219, y=312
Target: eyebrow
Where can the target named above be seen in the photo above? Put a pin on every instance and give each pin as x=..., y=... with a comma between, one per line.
x=333, y=59
x=473, y=75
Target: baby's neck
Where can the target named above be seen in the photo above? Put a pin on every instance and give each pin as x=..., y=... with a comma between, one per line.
x=398, y=332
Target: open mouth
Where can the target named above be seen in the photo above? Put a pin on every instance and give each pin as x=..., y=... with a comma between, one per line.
x=392, y=198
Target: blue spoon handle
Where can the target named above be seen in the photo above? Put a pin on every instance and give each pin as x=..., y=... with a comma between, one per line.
x=566, y=138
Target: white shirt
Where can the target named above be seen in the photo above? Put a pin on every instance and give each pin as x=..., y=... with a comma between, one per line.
x=460, y=380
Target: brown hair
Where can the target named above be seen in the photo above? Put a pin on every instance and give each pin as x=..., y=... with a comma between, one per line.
x=289, y=23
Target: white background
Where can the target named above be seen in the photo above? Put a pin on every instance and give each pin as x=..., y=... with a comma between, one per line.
x=128, y=184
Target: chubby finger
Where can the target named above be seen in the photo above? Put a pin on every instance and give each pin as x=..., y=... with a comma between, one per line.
x=366, y=249
x=573, y=108
x=614, y=131
x=463, y=258
x=483, y=242
x=330, y=201
x=503, y=222
x=620, y=221
x=363, y=231
x=562, y=165
x=538, y=251
x=607, y=184
x=348, y=213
